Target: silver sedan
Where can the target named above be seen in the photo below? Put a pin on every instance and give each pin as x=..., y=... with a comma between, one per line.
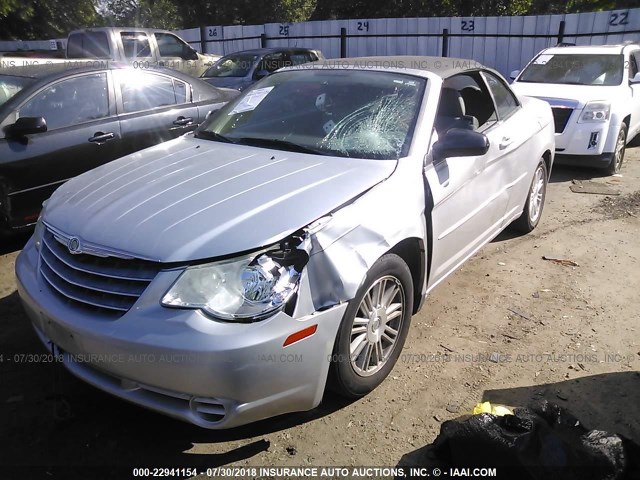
x=233, y=274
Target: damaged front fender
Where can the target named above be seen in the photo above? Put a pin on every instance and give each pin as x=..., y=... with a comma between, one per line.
x=343, y=247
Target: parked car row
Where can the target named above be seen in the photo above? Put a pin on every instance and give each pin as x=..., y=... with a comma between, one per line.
x=57, y=122
x=241, y=69
x=282, y=247
x=137, y=47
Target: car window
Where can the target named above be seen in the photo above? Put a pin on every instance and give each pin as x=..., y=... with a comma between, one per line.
x=170, y=45
x=144, y=91
x=69, y=102
x=360, y=114
x=232, y=66
x=135, y=44
x=575, y=69
x=465, y=102
x=11, y=85
x=300, y=58
x=271, y=62
x=506, y=102
x=180, y=91
x=88, y=45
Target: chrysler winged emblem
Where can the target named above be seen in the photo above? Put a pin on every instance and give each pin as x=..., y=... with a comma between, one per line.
x=74, y=245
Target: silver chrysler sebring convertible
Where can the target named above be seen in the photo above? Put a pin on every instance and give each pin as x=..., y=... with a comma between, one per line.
x=234, y=273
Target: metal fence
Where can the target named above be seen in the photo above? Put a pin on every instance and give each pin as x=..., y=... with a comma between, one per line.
x=504, y=43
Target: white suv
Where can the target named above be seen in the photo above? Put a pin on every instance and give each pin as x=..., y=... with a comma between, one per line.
x=594, y=92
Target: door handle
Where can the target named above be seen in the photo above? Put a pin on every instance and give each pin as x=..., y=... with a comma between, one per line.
x=100, y=137
x=183, y=121
x=505, y=142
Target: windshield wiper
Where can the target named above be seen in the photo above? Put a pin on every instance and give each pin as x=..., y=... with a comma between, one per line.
x=279, y=145
x=216, y=137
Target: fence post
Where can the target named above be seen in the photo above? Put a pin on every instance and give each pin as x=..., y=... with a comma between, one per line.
x=343, y=42
x=561, y=31
x=445, y=42
x=203, y=34
x=263, y=40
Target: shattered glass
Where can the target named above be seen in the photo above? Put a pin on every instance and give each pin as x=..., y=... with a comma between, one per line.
x=378, y=128
x=358, y=114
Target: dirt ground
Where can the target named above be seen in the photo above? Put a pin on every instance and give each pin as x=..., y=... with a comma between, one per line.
x=509, y=327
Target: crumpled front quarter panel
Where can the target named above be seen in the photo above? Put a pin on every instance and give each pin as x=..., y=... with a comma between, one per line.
x=343, y=251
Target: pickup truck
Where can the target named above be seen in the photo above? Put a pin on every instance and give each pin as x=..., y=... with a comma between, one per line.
x=140, y=47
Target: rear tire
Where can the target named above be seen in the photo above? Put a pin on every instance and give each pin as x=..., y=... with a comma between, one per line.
x=618, y=155
x=534, y=204
x=373, y=329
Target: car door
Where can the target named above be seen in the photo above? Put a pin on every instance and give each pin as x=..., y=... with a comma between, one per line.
x=468, y=193
x=513, y=162
x=137, y=49
x=153, y=108
x=175, y=53
x=83, y=132
x=634, y=64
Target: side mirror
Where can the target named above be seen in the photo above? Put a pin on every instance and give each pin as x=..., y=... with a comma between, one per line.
x=260, y=74
x=188, y=53
x=514, y=74
x=635, y=79
x=28, y=125
x=459, y=142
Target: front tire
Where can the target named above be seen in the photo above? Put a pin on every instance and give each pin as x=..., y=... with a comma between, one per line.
x=534, y=204
x=373, y=329
x=618, y=155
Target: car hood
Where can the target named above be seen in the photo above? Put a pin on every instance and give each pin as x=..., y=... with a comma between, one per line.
x=191, y=199
x=580, y=93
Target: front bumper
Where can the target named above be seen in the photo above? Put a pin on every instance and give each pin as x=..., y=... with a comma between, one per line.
x=588, y=139
x=595, y=161
x=181, y=363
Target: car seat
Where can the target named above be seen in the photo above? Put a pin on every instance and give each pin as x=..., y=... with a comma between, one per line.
x=451, y=112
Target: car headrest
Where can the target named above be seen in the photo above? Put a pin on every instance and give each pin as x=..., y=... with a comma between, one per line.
x=451, y=103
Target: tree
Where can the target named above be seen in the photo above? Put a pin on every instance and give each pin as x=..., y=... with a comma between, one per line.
x=41, y=19
x=141, y=13
x=294, y=10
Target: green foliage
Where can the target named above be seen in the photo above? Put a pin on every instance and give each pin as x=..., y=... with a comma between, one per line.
x=294, y=10
x=142, y=13
x=418, y=8
x=10, y=6
x=41, y=19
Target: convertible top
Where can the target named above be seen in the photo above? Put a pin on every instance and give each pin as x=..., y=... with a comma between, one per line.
x=444, y=67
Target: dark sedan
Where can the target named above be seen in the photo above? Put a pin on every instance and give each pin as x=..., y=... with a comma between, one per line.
x=241, y=69
x=61, y=120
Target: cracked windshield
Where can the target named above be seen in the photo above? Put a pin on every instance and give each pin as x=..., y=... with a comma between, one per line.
x=359, y=114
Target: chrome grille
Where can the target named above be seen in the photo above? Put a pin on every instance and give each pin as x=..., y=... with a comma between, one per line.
x=561, y=117
x=105, y=283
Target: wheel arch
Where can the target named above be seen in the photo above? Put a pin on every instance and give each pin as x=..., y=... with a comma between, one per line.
x=412, y=252
x=546, y=156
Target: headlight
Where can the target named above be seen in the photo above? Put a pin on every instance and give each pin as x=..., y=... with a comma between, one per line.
x=595, y=112
x=245, y=288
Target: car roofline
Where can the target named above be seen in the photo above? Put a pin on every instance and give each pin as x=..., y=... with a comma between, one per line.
x=443, y=67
